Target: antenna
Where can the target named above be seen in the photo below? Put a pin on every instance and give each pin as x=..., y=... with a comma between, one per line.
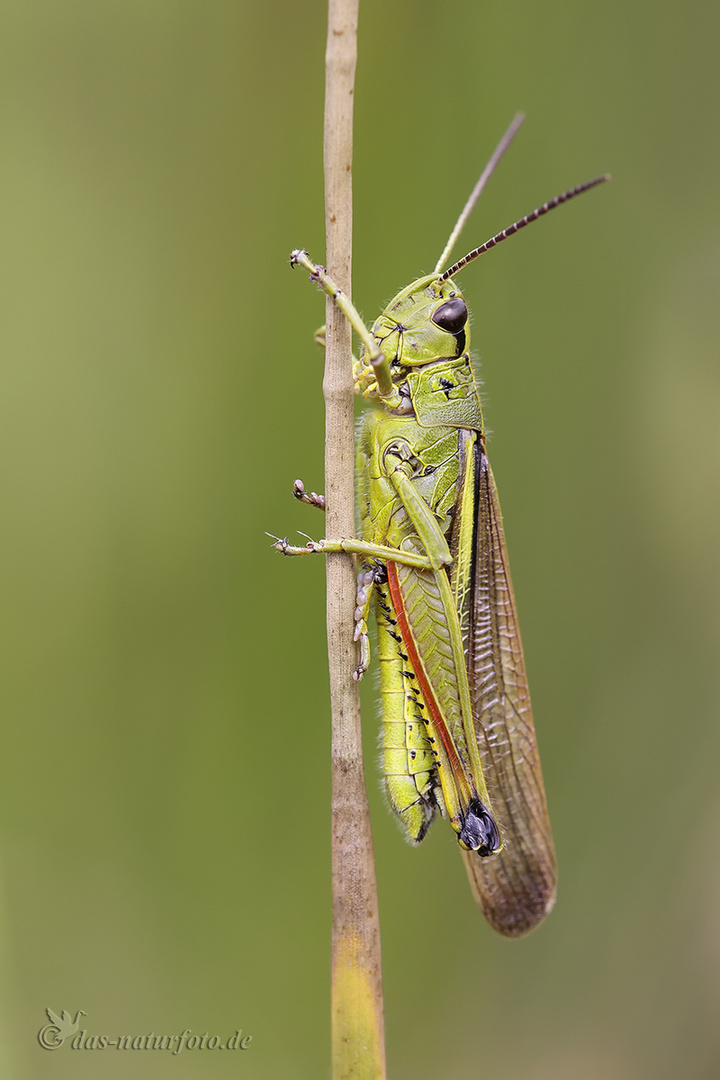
x=477, y=190
x=557, y=201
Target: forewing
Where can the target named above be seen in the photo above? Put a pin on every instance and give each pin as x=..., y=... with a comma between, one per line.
x=516, y=888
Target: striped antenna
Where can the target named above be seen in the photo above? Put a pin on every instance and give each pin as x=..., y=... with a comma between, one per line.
x=557, y=201
x=477, y=190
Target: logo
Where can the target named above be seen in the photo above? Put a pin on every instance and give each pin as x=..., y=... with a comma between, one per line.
x=60, y=1028
x=51, y=1037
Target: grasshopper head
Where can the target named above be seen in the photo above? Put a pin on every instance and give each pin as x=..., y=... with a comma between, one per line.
x=424, y=335
x=424, y=323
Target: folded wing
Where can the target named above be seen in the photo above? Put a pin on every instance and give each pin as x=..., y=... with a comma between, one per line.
x=515, y=888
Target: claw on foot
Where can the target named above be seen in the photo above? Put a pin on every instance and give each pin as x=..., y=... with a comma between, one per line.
x=311, y=498
x=283, y=545
x=280, y=543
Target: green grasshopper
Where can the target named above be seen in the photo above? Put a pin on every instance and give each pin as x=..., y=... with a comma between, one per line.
x=458, y=733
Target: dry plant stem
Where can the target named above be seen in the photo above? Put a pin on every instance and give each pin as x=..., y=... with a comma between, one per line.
x=358, y=1047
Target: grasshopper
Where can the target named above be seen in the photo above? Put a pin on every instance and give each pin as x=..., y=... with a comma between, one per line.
x=457, y=727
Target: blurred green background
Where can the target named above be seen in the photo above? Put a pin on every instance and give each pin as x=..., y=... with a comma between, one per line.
x=164, y=799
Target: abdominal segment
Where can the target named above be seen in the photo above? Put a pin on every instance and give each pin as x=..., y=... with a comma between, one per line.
x=407, y=740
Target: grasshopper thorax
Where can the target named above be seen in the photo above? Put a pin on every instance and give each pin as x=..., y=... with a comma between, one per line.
x=424, y=335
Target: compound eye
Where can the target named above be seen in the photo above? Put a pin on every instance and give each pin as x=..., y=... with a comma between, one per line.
x=452, y=315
